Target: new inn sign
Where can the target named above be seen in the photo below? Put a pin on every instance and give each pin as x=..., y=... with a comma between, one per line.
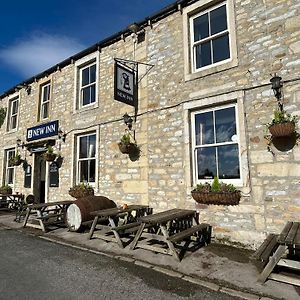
x=42, y=131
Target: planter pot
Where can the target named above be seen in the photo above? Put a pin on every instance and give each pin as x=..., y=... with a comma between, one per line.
x=49, y=156
x=282, y=129
x=214, y=198
x=127, y=148
x=6, y=191
x=15, y=161
x=80, y=193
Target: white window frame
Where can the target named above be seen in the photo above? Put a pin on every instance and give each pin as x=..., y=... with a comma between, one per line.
x=189, y=13
x=193, y=44
x=8, y=167
x=80, y=65
x=43, y=102
x=194, y=146
x=13, y=115
x=78, y=160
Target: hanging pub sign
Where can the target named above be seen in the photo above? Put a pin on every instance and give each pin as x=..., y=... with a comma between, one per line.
x=42, y=131
x=125, y=83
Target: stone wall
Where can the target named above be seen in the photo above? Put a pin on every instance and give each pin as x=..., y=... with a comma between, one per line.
x=267, y=41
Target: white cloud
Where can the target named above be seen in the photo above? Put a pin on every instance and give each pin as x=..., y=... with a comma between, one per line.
x=39, y=52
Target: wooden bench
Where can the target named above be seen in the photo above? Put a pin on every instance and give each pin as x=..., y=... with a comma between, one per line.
x=266, y=249
x=202, y=230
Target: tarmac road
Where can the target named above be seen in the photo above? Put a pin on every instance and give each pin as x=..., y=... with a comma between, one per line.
x=32, y=268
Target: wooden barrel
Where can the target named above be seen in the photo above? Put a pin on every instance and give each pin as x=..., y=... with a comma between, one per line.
x=78, y=213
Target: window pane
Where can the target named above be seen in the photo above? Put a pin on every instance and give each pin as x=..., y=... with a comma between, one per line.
x=14, y=109
x=204, y=128
x=92, y=170
x=83, y=171
x=83, y=147
x=92, y=93
x=92, y=74
x=203, y=55
x=86, y=96
x=206, y=161
x=228, y=162
x=218, y=20
x=92, y=146
x=225, y=125
x=221, y=48
x=13, y=122
x=85, y=77
x=10, y=176
x=201, y=30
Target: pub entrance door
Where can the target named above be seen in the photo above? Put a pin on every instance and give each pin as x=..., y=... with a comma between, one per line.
x=39, y=178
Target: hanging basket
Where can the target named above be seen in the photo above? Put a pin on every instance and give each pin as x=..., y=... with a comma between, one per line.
x=217, y=198
x=5, y=190
x=282, y=129
x=49, y=156
x=127, y=148
x=15, y=161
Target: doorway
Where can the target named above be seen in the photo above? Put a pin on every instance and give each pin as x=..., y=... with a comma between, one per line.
x=39, y=178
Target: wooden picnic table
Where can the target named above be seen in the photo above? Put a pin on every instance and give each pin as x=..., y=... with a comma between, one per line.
x=286, y=253
x=113, y=231
x=11, y=201
x=41, y=215
x=175, y=226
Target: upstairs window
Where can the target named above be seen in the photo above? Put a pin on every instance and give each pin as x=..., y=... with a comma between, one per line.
x=86, y=158
x=87, y=85
x=45, y=101
x=216, y=144
x=209, y=35
x=13, y=114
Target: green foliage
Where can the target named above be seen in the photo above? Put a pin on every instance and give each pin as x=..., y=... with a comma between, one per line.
x=5, y=188
x=125, y=139
x=50, y=150
x=2, y=115
x=280, y=117
x=215, y=187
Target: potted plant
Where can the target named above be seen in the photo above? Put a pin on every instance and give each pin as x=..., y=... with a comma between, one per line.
x=15, y=160
x=81, y=190
x=217, y=193
x=126, y=146
x=5, y=190
x=49, y=155
x=282, y=124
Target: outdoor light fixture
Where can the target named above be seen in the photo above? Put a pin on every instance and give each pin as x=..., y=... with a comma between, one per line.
x=276, y=86
x=19, y=143
x=61, y=135
x=128, y=121
x=134, y=28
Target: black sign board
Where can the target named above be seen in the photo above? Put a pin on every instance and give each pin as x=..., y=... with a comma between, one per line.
x=27, y=176
x=125, y=84
x=42, y=131
x=54, y=175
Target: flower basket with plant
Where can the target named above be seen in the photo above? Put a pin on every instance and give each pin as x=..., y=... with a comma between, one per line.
x=282, y=124
x=81, y=190
x=15, y=160
x=217, y=193
x=49, y=155
x=126, y=146
x=5, y=190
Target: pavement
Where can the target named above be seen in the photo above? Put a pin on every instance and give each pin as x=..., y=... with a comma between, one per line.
x=218, y=267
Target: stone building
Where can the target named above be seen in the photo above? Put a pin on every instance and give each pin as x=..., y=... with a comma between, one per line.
x=202, y=110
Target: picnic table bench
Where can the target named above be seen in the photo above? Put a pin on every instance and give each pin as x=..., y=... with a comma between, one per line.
x=11, y=201
x=115, y=231
x=283, y=251
x=174, y=226
x=42, y=215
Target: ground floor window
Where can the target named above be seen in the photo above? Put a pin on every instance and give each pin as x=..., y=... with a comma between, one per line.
x=9, y=169
x=215, y=142
x=86, y=158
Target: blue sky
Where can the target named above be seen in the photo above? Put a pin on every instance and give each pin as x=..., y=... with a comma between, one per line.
x=35, y=34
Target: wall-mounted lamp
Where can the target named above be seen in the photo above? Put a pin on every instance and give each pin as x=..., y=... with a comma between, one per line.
x=20, y=144
x=28, y=89
x=128, y=121
x=61, y=135
x=276, y=87
x=134, y=28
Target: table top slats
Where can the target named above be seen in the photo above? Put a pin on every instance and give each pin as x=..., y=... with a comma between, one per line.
x=165, y=216
x=111, y=212
x=285, y=232
x=41, y=205
x=292, y=234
